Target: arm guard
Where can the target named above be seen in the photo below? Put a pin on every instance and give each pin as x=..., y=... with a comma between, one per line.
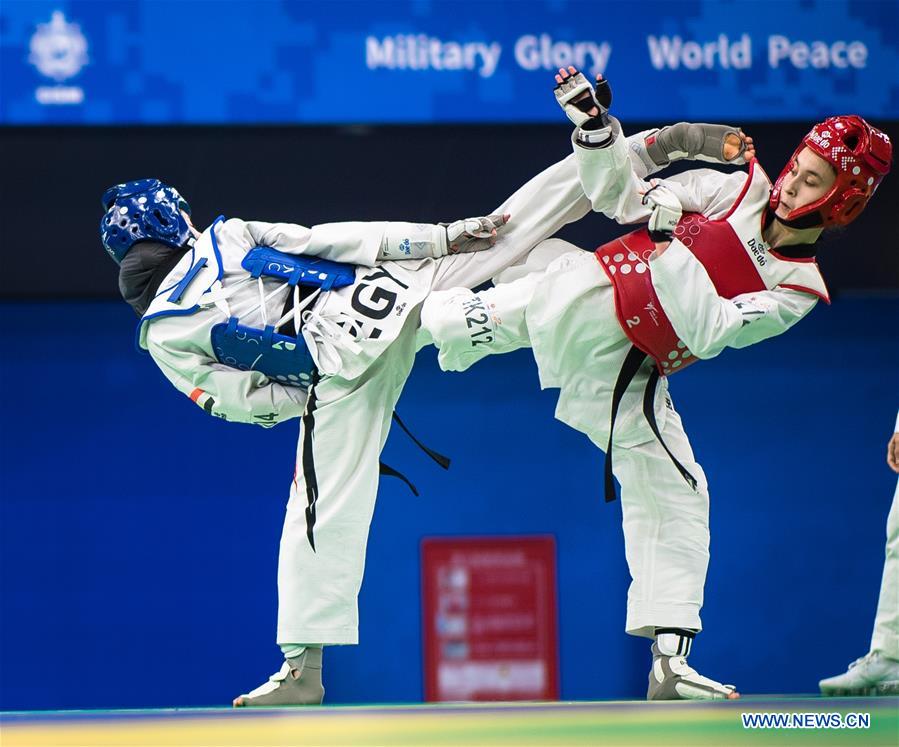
x=702, y=142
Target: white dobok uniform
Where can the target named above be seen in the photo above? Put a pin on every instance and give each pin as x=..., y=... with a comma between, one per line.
x=363, y=337
x=567, y=315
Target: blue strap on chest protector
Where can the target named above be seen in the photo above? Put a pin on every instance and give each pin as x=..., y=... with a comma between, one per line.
x=283, y=359
x=178, y=292
x=311, y=271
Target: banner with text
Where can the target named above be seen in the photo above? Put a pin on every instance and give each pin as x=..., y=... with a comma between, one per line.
x=432, y=61
x=489, y=617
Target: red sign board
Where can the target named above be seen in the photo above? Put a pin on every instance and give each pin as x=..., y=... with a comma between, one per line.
x=490, y=618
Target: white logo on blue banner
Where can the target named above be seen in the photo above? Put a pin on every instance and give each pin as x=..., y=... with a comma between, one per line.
x=58, y=51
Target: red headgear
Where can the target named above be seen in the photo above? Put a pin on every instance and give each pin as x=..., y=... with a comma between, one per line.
x=861, y=156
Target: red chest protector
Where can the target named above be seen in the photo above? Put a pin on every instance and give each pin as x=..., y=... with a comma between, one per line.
x=626, y=262
x=733, y=253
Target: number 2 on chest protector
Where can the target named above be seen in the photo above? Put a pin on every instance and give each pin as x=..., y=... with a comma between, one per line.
x=475, y=317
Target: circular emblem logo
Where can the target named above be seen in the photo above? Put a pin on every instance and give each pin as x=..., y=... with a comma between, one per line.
x=58, y=48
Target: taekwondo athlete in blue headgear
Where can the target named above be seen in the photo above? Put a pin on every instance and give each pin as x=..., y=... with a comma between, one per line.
x=262, y=322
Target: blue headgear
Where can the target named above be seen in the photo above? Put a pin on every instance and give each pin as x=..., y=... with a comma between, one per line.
x=142, y=210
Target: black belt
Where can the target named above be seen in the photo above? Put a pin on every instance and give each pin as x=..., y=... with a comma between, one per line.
x=293, y=326
x=388, y=471
x=629, y=368
x=290, y=327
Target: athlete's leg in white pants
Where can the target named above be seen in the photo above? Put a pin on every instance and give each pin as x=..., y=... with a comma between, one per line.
x=467, y=326
x=886, y=625
x=346, y=425
x=666, y=532
x=552, y=199
x=333, y=496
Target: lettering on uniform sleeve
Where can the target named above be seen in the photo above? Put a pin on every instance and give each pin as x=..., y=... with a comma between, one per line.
x=749, y=311
x=266, y=420
x=206, y=401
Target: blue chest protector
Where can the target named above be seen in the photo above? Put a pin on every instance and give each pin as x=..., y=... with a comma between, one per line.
x=282, y=358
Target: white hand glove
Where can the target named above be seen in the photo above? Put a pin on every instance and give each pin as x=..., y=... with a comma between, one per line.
x=586, y=107
x=472, y=234
x=666, y=212
x=577, y=98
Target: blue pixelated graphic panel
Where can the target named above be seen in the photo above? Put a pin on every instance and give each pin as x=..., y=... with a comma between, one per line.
x=428, y=61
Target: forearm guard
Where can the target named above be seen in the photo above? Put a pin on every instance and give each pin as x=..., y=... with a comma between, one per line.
x=699, y=141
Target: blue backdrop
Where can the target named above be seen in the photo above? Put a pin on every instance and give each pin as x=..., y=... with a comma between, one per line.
x=192, y=61
x=138, y=537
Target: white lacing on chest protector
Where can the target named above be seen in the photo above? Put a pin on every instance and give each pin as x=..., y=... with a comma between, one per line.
x=325, y=335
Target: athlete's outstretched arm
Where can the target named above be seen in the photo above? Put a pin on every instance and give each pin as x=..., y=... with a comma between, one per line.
x=368, y=243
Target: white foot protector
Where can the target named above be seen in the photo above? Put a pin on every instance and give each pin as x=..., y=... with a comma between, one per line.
x=298, y=682
x=671, y=678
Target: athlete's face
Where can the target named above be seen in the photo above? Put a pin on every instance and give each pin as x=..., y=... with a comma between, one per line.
x=809, y=179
